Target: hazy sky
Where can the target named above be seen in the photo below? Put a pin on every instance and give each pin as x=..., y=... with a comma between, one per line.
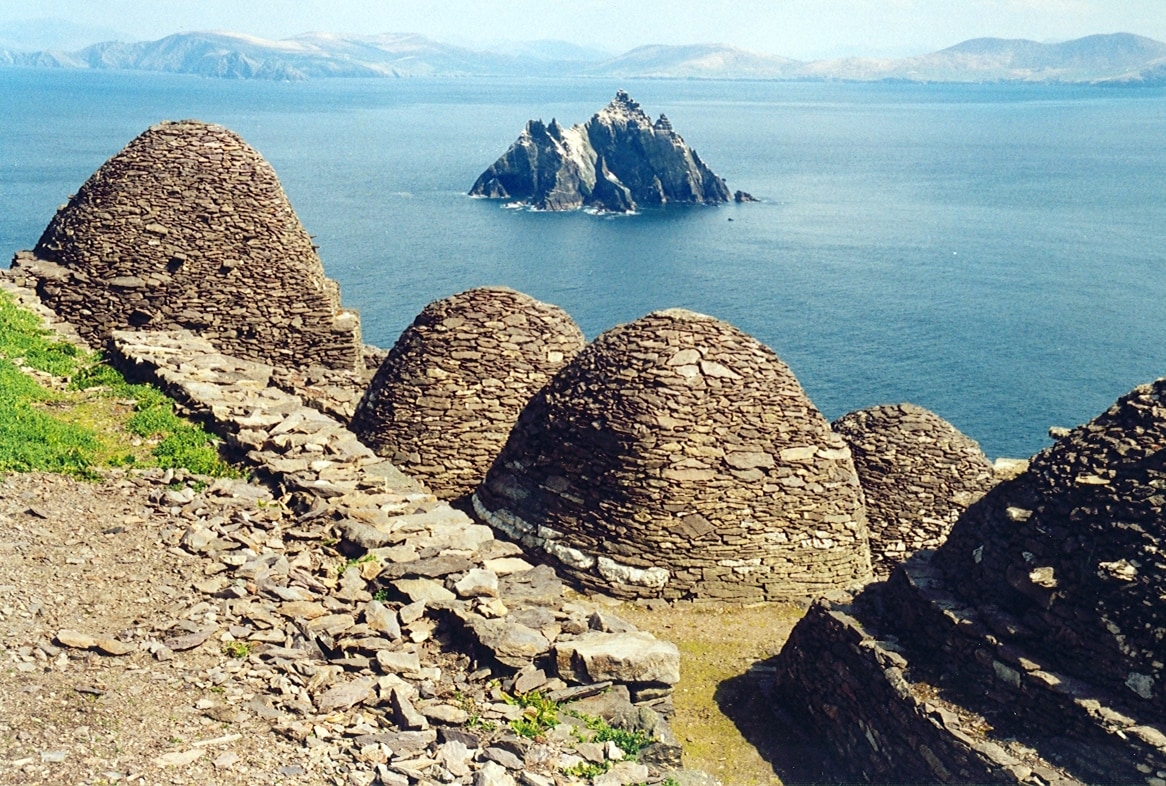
x=804, y=29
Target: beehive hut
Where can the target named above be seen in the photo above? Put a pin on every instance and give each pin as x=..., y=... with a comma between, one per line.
x=1042, y=619
x=447, y=395
x=918, y=474
x=189, y=227
x=678, y=457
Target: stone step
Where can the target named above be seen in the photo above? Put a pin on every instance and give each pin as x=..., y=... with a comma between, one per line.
x=862, y=695
x=987, y=666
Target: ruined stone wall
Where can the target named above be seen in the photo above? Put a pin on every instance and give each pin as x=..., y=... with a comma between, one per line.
x=1074, y=548
x=678, y=457
x=445, y=398
x=918, y=474
x=189, y=227
x=983, y=658
x=856, y=690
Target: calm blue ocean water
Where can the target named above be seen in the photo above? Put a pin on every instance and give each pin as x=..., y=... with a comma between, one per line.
x=994, y=253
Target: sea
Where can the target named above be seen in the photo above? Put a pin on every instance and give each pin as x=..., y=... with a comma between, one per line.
x=995, y=253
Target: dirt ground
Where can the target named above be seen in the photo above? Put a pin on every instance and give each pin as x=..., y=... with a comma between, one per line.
x=725, y=715
x=102, y=560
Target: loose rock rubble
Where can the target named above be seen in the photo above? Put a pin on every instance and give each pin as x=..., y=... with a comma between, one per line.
x=399, y=663
x=113, y=667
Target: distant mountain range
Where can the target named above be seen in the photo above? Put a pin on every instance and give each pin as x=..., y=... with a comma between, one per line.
x=1115, y=58
x=1118, y=59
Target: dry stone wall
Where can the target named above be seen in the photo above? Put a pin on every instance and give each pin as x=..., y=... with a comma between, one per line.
x=444, y=400
x=189, y=227
x=677, y=457
x=918, y=474
x=1075, y=548
x=853, y=686
x=400, y=666
x=1039, y=623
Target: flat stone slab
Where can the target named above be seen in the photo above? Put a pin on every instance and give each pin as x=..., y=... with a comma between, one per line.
x=622, y=657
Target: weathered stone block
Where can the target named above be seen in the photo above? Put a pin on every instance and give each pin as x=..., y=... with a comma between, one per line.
x=622, y=657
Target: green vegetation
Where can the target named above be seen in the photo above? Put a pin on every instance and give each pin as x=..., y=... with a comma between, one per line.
x=471, y=708
x=97, y=420
x=539, y=714
x=23, y=338
x=586, y=769
x=32, y=439
x=177, y=442
x=356, y=562
x=721, y=716
x=630, y=742
x=237, y=649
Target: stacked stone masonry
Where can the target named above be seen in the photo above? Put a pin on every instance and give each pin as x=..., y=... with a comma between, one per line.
x=677, y=457
x=1037, y=627
x=1076, y=549
x=189, y=227
x=853, y=686
x=430, y=616
x=444, y=400
x=918, y=474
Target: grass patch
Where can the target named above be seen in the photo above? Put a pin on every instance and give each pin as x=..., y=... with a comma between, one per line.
x=539, y=714
x=100, y=420
x=31, y=439
x=718, y=646
x=23, y=339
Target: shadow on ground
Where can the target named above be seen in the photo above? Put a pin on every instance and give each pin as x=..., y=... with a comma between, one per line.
x=748, y=701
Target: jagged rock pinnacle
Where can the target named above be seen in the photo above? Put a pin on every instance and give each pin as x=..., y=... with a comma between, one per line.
x=616, y=162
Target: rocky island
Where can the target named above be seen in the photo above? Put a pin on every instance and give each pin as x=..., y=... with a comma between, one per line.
x=615, y=162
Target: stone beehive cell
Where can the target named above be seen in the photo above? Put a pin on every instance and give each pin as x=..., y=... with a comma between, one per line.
x=447, y=395
x=189, y=227
x=678, y=457
x=918, y=473
x=1042, y=618
x=1076, y=548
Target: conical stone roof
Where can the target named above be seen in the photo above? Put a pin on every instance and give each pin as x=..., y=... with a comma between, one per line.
x=444, y=400
x=678, y=457
x=918, y=474
x=189, y=227
x=1076, y=549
